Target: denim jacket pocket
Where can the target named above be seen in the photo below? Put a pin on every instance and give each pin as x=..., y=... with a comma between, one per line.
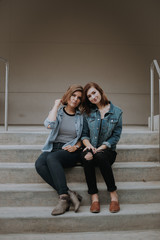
x=111, y=125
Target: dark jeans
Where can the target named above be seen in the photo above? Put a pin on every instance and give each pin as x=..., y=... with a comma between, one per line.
x=50, y=166
x=104, y=161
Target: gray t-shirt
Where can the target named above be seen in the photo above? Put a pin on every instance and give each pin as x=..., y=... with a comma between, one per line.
x=67, y=130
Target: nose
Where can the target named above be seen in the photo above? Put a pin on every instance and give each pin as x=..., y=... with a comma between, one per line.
x=92, y=97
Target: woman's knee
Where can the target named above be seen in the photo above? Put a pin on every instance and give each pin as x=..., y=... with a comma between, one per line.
x=87, y=155
x=41, y=161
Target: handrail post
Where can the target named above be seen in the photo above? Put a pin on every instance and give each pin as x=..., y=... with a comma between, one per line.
x=6, y=92
x=6, y=97
x=159, y=118
x=152, y=97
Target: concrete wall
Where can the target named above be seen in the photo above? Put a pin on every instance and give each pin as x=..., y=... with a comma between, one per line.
x=51, y=44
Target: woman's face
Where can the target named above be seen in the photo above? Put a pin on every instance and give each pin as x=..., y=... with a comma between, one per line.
x=75, y=99
x=94, y=95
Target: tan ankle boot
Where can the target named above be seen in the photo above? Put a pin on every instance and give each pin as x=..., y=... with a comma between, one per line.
x=75, y=199
x=62, y=206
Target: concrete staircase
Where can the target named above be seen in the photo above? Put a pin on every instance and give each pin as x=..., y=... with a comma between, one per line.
x=26, y=201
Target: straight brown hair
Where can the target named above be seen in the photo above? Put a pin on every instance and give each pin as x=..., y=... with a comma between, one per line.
x=86, y=104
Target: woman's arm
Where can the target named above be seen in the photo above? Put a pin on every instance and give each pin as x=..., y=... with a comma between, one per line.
x=53, y=113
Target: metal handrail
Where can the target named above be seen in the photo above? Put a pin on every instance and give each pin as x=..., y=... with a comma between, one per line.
x=6, y=92
x=154, y=64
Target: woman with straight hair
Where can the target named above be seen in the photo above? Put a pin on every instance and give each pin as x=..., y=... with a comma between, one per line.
x=61, y=149
x=101, y=132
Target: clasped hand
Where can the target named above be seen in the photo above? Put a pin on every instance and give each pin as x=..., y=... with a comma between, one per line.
x=70, y=148
x=89, y=155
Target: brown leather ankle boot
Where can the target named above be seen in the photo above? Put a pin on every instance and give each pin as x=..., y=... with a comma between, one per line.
x=62, y=206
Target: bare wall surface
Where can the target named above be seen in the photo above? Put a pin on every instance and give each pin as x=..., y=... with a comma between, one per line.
x=51, y=44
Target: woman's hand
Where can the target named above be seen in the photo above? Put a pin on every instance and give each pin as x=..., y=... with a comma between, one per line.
x=94, y=150
x=70, y=148
x=101, y=148
x=57, y=103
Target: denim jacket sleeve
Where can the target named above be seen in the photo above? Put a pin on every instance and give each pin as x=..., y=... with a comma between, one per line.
x=53, y=124
x=85, y=131
x=116, y=133
x=50, y=124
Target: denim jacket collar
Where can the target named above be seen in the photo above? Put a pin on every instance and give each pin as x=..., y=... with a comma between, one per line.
x=95, y=108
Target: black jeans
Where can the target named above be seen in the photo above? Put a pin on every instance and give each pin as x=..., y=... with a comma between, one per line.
x=104, y=161
x=50, y=166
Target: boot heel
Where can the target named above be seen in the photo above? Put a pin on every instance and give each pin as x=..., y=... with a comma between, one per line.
x=68, y=209
x=75, y=199
x=79, y=198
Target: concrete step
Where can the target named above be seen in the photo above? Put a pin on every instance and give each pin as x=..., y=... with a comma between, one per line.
x=23, y=138
x=39, y=219
x=123, y=171
x=33, y=135
x=38, y=138
x=43, y=195
x=102, y=235
x=128, y=153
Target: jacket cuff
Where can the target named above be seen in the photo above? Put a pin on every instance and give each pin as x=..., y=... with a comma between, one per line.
x=49, y=124
x=107, y=144
x=82, y=138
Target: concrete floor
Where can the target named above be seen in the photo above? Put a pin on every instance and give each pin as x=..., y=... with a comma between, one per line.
x=120, y=235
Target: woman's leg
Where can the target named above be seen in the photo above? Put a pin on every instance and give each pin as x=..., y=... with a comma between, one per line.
x=90, y=175
x=56, y=162
x=104, y=161
x=42, y=169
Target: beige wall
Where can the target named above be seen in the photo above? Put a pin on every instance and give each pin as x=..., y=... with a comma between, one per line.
x=51, y=44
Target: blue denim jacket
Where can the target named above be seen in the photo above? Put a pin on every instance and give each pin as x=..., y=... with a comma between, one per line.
x=110, y=129
x=54, y=125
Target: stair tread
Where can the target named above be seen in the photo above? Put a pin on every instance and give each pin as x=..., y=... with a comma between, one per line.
x=78, y=186
x=39, y=147
x=116, y=164
x=44, y=212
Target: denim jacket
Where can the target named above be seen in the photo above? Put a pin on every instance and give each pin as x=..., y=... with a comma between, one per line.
x=108, y=133
x=55, y=125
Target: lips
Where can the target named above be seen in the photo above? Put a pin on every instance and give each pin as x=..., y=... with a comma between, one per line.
x=95, y=100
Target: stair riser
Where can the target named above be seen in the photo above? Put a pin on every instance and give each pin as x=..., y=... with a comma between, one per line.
x=29, y=175
x=23, y=138
x=124, y=155
x=50, y=198
x=80, y=224
x=40, y=138
x=139, y=138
